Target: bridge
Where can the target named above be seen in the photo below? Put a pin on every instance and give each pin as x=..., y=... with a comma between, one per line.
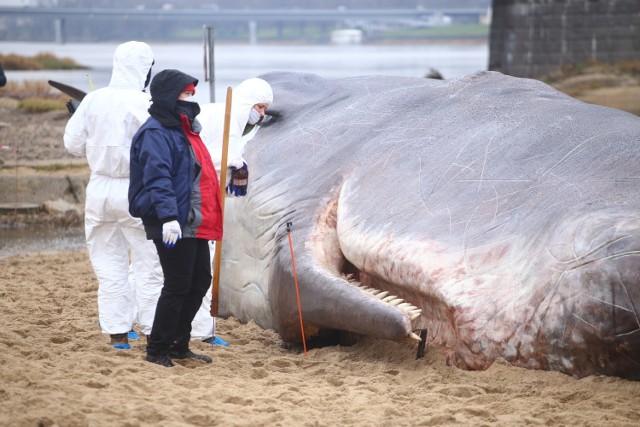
x=226, y=15
x=212, y=16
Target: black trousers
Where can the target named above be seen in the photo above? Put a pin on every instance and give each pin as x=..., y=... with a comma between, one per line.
x=187, y=277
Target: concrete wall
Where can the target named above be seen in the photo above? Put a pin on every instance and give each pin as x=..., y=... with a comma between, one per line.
x=530, y=38
x=37, y=189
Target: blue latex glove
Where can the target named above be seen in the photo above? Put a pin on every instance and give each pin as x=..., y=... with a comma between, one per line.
x=239, y=179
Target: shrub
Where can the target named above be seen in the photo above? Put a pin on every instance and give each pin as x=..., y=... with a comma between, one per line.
x=16, y=62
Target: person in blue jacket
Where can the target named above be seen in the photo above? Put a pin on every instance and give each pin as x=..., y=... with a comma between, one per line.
x=174, y=189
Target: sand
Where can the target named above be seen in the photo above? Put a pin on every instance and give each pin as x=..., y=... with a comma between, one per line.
x=57, y=369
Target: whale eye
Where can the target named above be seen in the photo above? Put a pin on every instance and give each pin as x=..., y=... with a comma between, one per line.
x=271, y=117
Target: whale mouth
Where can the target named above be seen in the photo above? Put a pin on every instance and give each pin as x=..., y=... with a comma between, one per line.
x=406, y=308
x=363, y=303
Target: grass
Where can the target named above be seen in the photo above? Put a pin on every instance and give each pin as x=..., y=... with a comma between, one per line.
x=41, y=105
x=441, y=32
x=40, y=61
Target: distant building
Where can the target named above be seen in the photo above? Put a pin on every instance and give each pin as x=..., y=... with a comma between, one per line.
x=530, y=38
x=349, y=36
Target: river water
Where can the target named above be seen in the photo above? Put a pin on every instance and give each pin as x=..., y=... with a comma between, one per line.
x=233, y=63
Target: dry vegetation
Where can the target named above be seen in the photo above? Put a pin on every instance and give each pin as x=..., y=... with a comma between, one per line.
x=40, y=61
x=34, y=96
x=610, y=85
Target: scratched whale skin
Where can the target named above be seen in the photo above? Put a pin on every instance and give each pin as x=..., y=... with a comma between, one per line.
x=495, y=212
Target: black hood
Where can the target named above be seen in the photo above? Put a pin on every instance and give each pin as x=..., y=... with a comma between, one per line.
x=165, y=88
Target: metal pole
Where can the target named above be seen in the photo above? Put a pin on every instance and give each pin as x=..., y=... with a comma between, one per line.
x=209, y=73
x=253, y=32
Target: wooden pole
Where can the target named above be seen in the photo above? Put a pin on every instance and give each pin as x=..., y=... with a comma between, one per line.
x=223, y=183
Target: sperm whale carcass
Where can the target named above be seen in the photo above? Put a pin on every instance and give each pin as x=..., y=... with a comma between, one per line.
x=495, y=212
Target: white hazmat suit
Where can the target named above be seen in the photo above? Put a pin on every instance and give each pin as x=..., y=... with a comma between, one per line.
x=102, y=128
x=244, y=97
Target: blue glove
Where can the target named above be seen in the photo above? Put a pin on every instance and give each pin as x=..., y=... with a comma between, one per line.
x=239, y=180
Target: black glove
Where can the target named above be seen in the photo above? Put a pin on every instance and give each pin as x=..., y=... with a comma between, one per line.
x=239, y=181
x=72, y=105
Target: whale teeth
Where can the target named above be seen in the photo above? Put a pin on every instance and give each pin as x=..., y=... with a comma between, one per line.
x=414, y=336
x=408, y=308
x=411, y=310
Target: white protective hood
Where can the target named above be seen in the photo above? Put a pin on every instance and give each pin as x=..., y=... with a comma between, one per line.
x=244, y=97
x=107, y=118
x=131, y=63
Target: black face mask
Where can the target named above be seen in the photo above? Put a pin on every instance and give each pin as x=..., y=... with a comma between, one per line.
x=188, y=108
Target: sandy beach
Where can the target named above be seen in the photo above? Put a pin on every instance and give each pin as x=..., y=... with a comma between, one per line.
x=57, y=369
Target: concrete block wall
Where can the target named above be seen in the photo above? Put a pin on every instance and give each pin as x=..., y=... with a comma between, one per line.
x=530, y=38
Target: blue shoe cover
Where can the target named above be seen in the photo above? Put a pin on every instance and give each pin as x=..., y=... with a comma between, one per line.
x=219, y=341
x=121, y=346
x=132, y=335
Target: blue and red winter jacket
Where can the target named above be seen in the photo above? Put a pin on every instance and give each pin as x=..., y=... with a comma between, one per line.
x=164, y=167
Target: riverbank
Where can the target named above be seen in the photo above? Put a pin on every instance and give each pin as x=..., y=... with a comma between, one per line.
x=40, y=183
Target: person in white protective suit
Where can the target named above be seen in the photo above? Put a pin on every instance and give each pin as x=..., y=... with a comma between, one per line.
x=249, y=101
x=102, y=128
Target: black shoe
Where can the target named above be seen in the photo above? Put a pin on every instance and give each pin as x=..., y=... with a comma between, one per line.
x=190, y=355
x=160, y=360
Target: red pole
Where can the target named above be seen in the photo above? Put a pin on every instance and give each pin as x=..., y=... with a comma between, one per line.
x=295, y=280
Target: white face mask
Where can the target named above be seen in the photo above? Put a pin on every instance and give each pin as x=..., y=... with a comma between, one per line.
x=254, y=117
